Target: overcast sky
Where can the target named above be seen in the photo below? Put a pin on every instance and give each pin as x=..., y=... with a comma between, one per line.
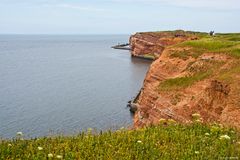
x=117, y=16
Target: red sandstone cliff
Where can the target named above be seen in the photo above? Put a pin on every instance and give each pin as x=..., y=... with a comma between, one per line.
x=213, y=99
x=153, y=43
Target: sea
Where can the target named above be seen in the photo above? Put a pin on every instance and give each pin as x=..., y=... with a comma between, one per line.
x=64, y=84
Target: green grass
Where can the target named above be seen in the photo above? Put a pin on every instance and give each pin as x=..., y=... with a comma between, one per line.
x=228, y=43
x=182, y=82
x=230, y=36
x=178, y=32
x=210, y=44
x=184, y=55
x=218, y=44
x=235, y=52
x=228, y=74
x=172, y=141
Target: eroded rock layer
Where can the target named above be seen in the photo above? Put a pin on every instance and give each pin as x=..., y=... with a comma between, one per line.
x=153, y=43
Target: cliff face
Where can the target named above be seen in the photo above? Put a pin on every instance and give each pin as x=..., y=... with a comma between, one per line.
x=188, y=79
x=151, y=44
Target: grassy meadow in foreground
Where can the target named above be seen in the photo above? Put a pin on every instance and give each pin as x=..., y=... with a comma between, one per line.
x=172, y=141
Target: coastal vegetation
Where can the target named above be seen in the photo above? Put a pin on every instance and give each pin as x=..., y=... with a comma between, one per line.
x=181, y=82
x=222, y=44
x=168, y=140
x=229, y=74
x=217, y=44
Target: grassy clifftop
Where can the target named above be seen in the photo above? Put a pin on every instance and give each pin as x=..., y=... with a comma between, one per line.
x=220, y=44
x=168, y=140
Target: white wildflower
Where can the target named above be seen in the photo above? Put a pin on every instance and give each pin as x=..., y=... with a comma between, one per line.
x=139, y=141
x=19, y=133
x=207, y=134
x=50, y=155
x=40, y=148
x=225, y=137
x=9, y=145
x=196, y=152
x=59, y=157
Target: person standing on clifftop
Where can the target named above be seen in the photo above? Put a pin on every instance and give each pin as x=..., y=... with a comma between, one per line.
x=211, y=33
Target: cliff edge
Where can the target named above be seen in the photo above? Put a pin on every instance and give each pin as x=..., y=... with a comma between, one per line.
x=193, y=73
x=151, y=44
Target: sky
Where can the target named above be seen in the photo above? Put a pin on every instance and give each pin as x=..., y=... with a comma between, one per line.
x=117, y=16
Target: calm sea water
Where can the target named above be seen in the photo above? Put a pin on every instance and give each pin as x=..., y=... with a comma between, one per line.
x=65, y=84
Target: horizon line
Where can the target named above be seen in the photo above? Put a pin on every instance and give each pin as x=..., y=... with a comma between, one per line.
x=106, y=33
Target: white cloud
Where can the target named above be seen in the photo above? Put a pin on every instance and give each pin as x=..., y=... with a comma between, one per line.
x=87, y=6
x=208, y=4
x=54, y=4
x=79, y=7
